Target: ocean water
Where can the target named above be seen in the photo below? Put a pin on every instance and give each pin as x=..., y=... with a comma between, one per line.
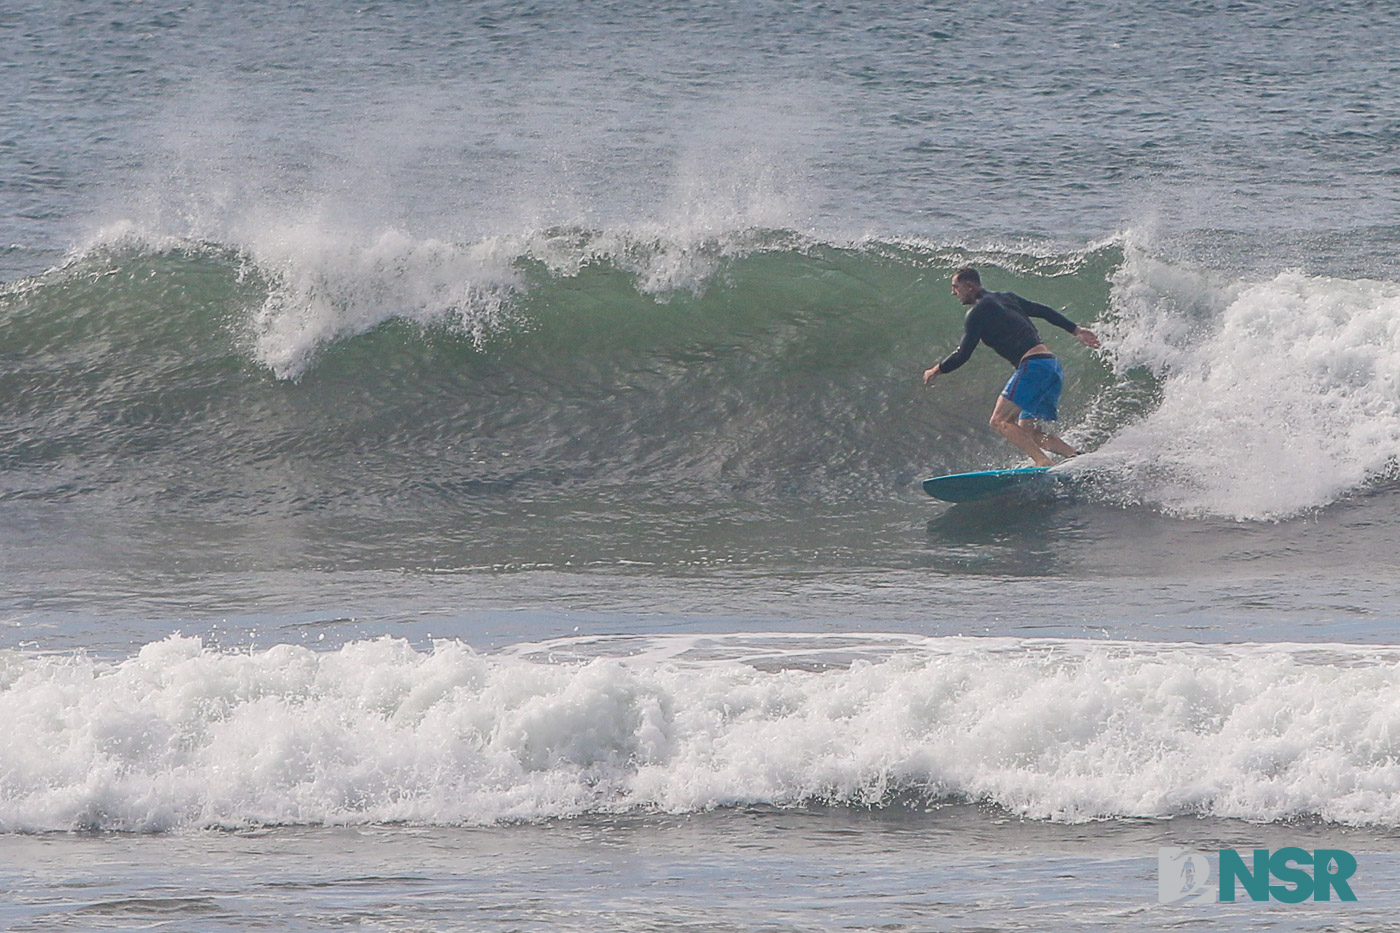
x=459, y=464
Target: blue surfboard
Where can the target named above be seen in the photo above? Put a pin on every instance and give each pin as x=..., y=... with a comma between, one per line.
x=969, y=487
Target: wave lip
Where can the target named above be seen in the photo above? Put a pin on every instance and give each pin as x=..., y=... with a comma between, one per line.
x=182, y=736
x=322, y=289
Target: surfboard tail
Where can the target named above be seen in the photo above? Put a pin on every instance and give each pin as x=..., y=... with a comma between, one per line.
x=969, y=487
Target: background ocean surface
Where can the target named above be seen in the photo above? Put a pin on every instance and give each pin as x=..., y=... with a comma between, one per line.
x=459, y=463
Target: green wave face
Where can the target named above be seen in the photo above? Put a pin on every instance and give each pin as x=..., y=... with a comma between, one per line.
x=763, y=367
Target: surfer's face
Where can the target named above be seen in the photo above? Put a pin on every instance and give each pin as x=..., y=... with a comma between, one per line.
x=966, y=291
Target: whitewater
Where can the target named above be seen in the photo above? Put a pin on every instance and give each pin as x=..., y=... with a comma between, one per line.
x=181, y=737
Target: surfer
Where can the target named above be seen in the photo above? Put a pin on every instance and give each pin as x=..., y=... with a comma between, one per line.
x=1001, y=320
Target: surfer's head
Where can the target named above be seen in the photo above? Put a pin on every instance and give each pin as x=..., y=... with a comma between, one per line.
x=967, y=285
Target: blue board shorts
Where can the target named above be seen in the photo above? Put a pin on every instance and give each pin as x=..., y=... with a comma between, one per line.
x=1035, y=388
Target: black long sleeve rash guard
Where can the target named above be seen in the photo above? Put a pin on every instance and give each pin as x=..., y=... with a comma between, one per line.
x=1001, y=320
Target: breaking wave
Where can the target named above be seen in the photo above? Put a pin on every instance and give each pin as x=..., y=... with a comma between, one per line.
x=757, y=363
x=185, y=736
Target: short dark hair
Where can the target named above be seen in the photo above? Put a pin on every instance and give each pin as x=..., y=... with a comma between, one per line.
x=967, y=274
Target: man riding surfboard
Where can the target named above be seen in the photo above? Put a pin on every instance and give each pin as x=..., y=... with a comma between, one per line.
x=1001, y=320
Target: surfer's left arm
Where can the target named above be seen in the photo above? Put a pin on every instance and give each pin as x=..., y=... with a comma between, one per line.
x=1083, y=334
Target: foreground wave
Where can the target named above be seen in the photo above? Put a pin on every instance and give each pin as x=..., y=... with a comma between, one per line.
x=183, y=736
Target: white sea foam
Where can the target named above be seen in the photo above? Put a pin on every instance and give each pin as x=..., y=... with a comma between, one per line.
x=181, y=735
x=1277, y=396
x=327, y=286
x=392, y=221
